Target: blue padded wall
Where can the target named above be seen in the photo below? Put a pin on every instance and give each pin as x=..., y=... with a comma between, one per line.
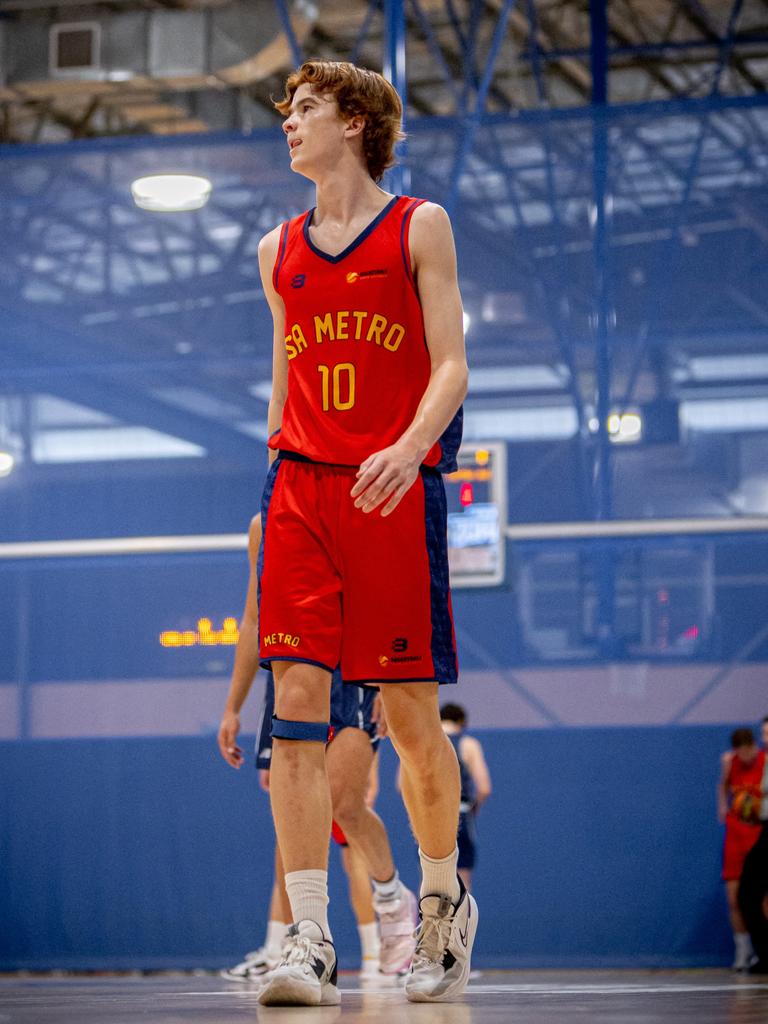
x=598, y=847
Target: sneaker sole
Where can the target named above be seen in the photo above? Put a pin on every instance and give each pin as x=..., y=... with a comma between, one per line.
x=294, y=992
x=458, y=986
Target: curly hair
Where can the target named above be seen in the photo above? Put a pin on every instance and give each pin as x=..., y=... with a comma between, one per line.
x=358, y=93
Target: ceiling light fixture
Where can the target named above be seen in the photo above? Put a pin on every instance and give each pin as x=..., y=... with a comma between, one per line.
x=171, y=193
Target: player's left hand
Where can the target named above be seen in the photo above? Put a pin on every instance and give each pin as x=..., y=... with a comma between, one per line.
x=227, y=740
x=386, y=476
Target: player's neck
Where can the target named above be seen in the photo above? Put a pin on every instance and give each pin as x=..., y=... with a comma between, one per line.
x=343, y=195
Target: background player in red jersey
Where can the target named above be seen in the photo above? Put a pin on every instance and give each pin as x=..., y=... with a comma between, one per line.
x=369, y=374
x=739, y=795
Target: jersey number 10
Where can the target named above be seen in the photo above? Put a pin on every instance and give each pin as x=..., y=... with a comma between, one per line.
x=338, y=386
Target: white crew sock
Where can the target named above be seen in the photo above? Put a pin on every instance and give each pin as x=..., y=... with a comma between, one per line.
x=275, y=937
x=308, y=895
x=743, y=943
x=369, y=940
x=438, y=877
x=389, y=890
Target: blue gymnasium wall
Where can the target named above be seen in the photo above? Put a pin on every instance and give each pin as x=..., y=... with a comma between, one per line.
x=599, y=847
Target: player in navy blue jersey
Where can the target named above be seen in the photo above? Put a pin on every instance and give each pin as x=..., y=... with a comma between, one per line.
x=475, y=784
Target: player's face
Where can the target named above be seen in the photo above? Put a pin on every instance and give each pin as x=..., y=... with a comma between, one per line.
x=747, y=754
x=314, y=131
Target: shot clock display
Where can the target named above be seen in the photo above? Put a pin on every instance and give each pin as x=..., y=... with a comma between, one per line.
x=477, y=515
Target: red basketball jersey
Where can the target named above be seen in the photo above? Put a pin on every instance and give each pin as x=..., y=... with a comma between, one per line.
x=358, y=363
x=746, y=788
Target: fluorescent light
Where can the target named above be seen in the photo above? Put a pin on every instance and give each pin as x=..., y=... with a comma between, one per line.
x=110, y=445
x=542, y=423
x=534, y=377
x=737, y=366
x=7, y=462
x=725, y=415
x=171, y=193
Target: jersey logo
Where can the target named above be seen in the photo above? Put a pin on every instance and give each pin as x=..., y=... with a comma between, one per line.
x=399, y=644
x=362, y=275
x=297, y=281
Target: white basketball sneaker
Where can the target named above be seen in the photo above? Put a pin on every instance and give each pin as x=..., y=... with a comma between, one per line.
x=397, y=919
x=254, y=967
x=444, y=939
x=306, y=976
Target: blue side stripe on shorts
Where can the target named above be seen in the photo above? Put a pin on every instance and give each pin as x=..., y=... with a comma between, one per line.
x=436, y=515
x=266, y=497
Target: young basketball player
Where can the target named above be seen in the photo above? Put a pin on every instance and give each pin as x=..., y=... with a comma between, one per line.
x=369, y=374
x=350, y=755
x=475, y=784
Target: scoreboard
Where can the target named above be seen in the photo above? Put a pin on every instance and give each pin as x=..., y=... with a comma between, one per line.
x=477, y=515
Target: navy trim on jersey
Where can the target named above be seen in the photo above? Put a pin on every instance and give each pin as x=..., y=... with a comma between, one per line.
x=267, y=662
x=379, y=683
x=353, y=245
x=281, y=254
x=436, y=511
x=403, y=229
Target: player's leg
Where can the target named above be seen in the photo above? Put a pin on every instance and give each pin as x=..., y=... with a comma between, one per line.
x=360, y=896
x=301, y=807
x=738, y=841
x=430, y=780
x=259, y=962
x=466, y=842
x=431, y=791
x=742, y=942
x=349, y=759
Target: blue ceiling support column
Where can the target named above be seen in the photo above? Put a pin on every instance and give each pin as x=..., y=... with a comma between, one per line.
x=398, y=178
x=604, y=557
x=474, y=121
x=285, y=18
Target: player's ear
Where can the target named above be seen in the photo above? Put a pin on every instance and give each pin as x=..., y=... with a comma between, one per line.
x=355, y=126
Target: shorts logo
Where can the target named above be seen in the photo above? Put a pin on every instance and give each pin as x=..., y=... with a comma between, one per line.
x=281, y=638
x=297, y=281
x=363, y=275
x=399, y=644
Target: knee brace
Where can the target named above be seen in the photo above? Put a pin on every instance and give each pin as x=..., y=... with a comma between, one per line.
x=316, y=732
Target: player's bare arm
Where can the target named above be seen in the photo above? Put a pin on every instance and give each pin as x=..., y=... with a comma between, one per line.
x=385, y=476
x=473, y=757
x=246, y=659
x=267, y=256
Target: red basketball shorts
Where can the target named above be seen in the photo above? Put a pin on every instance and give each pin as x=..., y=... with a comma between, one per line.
x=338, y=586
x=740, y=837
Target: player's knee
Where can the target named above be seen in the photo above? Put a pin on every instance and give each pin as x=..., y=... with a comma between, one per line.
x=296, y=702
x=348, y=812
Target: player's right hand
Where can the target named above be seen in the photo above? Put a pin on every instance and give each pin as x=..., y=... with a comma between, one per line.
x=227, y=739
